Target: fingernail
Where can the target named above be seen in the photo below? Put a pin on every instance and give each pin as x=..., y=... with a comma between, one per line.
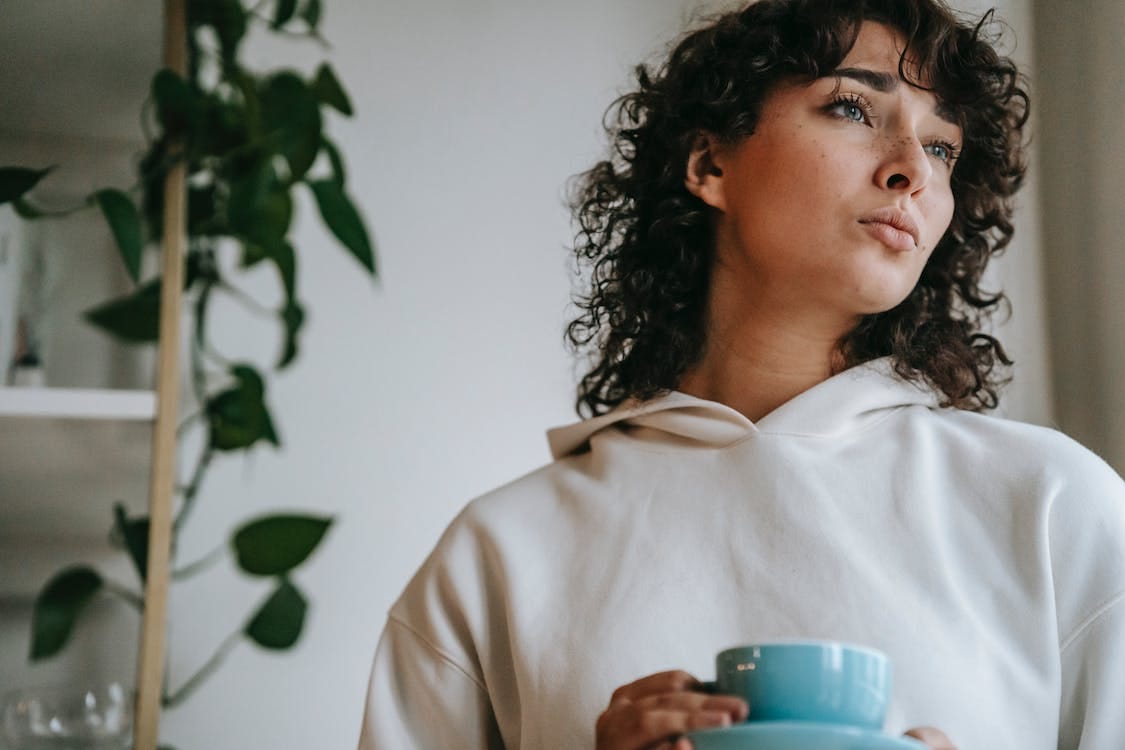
x=718, y=719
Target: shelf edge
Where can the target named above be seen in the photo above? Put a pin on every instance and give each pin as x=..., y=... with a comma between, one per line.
x=77, y=403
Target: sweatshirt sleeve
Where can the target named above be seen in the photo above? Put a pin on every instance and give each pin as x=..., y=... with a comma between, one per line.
x=1087, y=539
x=1093, y=682
x=419, y=698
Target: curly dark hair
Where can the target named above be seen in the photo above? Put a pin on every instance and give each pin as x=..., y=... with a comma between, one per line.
x=648, y=241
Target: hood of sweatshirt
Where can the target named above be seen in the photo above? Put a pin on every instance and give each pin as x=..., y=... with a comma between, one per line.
x=843, y=403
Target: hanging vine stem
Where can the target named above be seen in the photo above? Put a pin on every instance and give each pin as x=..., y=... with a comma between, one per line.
x=187, y=422
x=199, y=389
x=121, y=592
x=249, y=303
x=310, y=34
x=174, y=698
x=191, y=491
x=201, y=564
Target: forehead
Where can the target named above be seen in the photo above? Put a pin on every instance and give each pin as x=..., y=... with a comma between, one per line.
x=880, y=47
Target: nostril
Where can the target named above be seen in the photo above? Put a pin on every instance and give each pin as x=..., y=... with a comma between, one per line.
x=897, y=181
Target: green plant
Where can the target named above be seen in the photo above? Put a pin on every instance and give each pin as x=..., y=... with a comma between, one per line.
x=248, y=141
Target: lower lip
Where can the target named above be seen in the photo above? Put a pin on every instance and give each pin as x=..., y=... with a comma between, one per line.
x=892, y=237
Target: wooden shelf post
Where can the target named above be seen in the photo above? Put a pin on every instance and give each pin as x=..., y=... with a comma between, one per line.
x=150, y=668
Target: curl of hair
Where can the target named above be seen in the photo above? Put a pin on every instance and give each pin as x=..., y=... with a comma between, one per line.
x=647, y=242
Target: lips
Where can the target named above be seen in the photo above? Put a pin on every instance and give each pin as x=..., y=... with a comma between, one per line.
x=892, y=227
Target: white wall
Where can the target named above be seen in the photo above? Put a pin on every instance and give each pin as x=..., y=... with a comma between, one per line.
x=418, y=392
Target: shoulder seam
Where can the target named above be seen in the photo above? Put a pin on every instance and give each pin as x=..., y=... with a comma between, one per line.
x=1093, y=617
x=438, y=652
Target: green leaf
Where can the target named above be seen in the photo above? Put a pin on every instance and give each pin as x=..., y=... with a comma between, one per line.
x=259, y=208
x=238, y=416
x=252, y=254
x=125, y=223
x=226, y=124
x=57, y=609
x=199, y=266
x=293, y=318
x=249, y=179
x=201, y=210
x=284, y=12
x=226, y=17
x=275, y=545
x=134, y=532
x=135, y=318
x=328, y=90
x=179, y=107
x=268, y=431
x=16, y=181
x=249, y=379
x=344, y=221
x=311, y=13
x=338, y=174
x=153, y=168
x=286, y=261
x=291, y=118
x=277, y=625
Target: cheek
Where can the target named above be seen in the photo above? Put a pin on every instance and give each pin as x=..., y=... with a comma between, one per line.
x=939, y=216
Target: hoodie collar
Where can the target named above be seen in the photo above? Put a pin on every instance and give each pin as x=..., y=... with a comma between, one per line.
x=838, y=405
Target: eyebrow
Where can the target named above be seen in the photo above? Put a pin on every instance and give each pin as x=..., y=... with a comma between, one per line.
x=885, y=83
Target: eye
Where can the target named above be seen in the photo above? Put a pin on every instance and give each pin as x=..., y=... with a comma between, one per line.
x=942, y=151
x=851, y=111
x=850, y=107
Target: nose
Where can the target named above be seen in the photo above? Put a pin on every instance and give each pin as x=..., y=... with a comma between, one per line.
x=905, y=167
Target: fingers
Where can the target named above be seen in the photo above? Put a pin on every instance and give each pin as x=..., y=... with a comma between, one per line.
x=654, y=711
x=627, y=726
x=673, y=681
x=681, y=743
x=935, y=739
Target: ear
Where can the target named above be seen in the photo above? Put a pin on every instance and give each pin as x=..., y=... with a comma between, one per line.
x=704, y=177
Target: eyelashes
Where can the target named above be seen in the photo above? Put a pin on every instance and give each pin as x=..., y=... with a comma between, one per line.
x=854, y=107
x=844, y=106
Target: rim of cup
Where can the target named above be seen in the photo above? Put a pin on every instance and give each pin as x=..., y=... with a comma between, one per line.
x=813, y=642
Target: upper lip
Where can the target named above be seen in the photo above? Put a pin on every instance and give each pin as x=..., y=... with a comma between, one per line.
x=894, y=217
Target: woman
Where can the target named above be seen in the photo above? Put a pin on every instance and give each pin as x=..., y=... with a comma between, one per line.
x=784, y=437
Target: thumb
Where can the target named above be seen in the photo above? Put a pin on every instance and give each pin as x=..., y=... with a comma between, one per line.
x=935, y=739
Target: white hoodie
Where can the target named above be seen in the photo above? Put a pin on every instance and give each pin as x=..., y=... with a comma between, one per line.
x=986, y=557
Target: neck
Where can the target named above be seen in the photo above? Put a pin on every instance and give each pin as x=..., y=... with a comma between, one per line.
x=759, y=356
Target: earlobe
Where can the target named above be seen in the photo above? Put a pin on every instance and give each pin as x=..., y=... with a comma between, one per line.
x=704, y=176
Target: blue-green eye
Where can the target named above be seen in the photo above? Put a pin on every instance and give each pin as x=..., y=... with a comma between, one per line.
x=945, y=152
x=849, y=108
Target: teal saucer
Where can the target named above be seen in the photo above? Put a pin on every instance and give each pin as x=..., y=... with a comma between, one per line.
x=798, y=735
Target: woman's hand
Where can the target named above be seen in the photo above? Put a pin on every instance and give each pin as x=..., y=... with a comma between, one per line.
x=653, y=712
x=935, y=739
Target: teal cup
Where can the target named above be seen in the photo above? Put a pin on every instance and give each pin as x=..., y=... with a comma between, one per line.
x=812, y=681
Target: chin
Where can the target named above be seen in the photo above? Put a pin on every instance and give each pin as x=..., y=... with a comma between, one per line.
x=881, y=303
x=885, y=293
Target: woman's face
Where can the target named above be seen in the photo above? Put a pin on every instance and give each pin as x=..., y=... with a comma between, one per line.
x=843, y=190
